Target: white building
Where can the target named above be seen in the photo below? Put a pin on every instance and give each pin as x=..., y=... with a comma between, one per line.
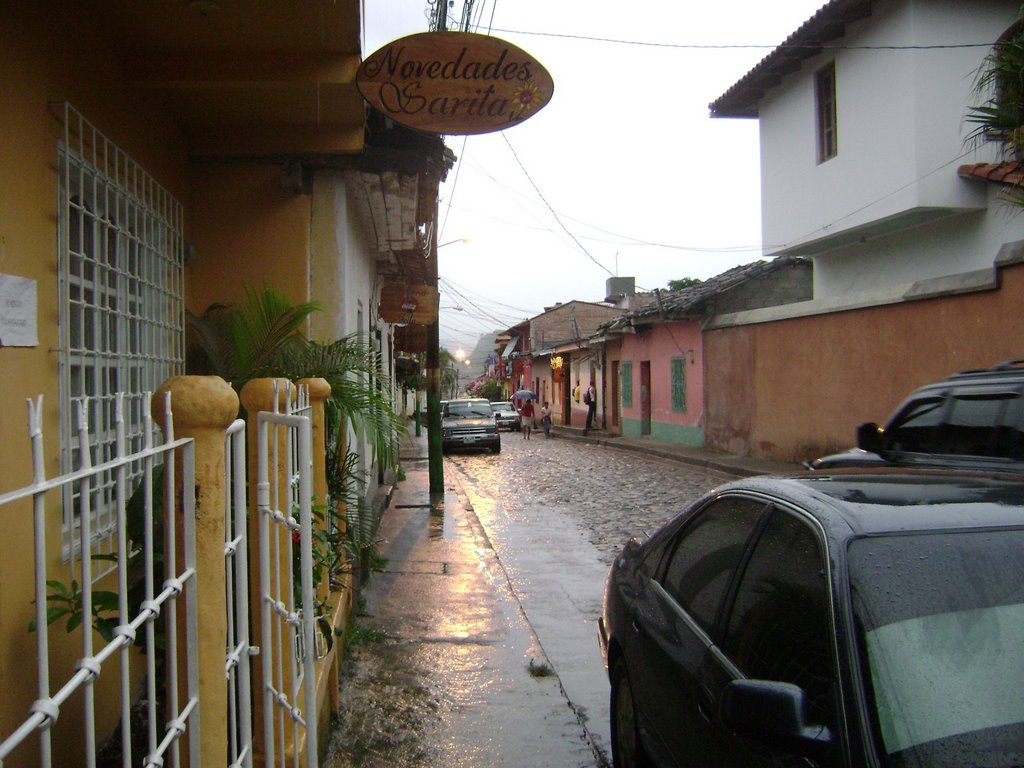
x=862, y=125
x=866, y=170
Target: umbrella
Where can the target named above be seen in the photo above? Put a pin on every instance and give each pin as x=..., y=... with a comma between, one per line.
x=525, y=394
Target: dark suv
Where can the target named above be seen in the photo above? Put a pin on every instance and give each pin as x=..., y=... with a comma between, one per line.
x=469, y=423
x=973, y=419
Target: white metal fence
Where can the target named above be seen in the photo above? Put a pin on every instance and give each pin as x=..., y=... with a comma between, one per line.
x=290, y=641
x=236, y=548
x=175, y=599
x=157, y=602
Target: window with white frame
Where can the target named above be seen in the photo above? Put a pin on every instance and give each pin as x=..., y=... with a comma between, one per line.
x=121, y=306
x=825, y=104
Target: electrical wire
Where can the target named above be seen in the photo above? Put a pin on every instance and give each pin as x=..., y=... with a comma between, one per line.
x=553, y=212
x=752, y=46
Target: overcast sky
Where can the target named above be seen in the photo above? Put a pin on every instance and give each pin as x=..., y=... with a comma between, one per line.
x=622, y=173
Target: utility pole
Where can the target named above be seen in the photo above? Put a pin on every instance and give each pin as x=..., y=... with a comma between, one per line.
x=435, y=458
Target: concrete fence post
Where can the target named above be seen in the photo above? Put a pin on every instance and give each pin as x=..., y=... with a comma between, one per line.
x=203, y=407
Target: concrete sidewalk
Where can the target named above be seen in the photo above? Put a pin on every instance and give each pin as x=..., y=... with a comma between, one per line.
x=461, y=679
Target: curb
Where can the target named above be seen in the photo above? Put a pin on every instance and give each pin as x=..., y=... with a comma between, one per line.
x=732, y=466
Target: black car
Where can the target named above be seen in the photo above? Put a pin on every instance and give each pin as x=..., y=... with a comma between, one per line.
x=971, y=420
x=854, y=618
x=469, y=423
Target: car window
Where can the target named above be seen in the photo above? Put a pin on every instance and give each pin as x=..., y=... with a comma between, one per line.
x=778, y=626
x=469, y=410
x=914, y=427
x=706, y=553
x=983, y=425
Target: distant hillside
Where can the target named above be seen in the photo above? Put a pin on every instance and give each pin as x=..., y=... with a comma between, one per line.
x=484, y=347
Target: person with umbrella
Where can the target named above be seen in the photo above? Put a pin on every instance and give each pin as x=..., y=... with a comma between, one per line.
x=526, y=412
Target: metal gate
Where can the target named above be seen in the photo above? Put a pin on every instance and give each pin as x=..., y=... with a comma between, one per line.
x=288, y=642
x=178, y=734
x=236, y=571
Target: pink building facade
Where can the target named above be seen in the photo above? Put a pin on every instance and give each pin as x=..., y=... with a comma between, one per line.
x=656, y=384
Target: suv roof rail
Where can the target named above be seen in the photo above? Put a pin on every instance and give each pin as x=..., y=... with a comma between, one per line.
x=1008, y=365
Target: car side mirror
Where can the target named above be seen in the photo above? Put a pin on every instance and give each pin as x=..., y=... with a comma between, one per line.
x=774, y=714
x=869, y=437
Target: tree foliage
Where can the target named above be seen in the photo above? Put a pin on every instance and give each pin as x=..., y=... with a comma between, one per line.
x=684, y=282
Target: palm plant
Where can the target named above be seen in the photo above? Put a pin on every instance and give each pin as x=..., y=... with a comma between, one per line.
x=999, y=116
x=246, y=341
x=261, y=337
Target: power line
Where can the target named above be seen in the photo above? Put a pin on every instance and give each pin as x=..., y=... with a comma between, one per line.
x=553, y=212
x=753, y=46
x=624, y=238
x=456, y=286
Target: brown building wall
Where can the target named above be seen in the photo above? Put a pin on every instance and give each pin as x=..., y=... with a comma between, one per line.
x=795, y=389
x=570, y=322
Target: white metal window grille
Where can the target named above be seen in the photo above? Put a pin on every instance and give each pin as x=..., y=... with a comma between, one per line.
x=170, y=593
x=121, y=308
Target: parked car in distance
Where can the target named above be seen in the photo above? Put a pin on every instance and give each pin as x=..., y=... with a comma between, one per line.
x=971, y=420
x=469, y=423
x=839, y=619
x=506, y=415
x=423, y=412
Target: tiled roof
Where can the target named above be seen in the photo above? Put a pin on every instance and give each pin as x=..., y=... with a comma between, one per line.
x=674, y=305
x=829, y=23
x=1003, y=173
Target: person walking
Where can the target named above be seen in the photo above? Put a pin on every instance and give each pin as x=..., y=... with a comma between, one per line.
x=545, y=418
x=526, y=415
x=590, y=400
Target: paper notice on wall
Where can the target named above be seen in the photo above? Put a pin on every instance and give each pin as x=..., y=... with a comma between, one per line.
x=18, y=312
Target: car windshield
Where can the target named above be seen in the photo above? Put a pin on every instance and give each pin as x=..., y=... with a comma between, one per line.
x=503, y=407
x=942, y=645
x=469, y=411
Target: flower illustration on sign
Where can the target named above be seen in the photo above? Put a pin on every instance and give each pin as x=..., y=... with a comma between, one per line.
x=526, y=95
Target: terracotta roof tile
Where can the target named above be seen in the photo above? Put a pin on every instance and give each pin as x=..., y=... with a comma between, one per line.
x=1003, y=173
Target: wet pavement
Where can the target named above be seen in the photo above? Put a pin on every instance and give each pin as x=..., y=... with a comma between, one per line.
x=481, y=631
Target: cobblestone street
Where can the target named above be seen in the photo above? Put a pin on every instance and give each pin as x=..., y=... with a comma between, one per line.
x=609, y=493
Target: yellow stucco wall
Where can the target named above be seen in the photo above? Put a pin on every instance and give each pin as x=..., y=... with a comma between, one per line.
x=45, y=62
x=247, y=230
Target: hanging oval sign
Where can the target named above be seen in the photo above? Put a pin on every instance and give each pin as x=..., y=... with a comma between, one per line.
x=454, y=83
